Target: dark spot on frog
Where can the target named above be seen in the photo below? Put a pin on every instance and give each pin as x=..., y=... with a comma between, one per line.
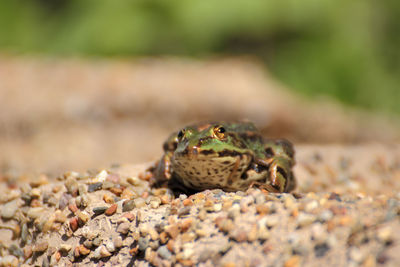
x=226, y=162
x=281, y=171
x=244, y=176
x=206, y=152
x=226, y=152
x=269, y=152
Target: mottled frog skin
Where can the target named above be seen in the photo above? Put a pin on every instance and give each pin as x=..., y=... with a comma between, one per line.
x=229, y=156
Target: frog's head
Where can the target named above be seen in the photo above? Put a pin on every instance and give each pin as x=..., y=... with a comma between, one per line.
x=209, y=140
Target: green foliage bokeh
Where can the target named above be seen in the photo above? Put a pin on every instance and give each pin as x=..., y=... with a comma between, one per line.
x=347, y=49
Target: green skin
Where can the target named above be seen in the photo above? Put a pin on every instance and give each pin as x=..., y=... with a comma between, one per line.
x=230, y=156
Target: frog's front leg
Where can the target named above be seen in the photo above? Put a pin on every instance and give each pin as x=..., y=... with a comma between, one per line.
x=162, y=170
x=280, y=175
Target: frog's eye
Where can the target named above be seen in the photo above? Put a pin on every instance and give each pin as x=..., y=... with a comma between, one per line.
x=219, y=131
x=181, y=134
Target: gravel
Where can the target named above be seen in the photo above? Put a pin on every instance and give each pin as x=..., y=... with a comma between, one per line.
x=317, y=225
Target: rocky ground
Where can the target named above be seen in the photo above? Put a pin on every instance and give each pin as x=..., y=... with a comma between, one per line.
x=57, y=116
x=345, y=212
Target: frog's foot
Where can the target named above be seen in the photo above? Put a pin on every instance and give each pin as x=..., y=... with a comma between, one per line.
x=263, y=186
x=280, y=175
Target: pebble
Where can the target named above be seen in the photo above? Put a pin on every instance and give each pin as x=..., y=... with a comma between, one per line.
x=97, y=241
x=99, y=210
x=128, y=205
x=95, y=187
x=73, y=223
x=311, y=206
x=83, y=250
x=385, y=234
x=64, y=201
x=110, y=246
x=9, y=209
x=35, y=213
x=123, y=228
x=118, y=243
x=9, y=261
x=40, y=247
x=135, y=181
x=73, y=208
x=143, y=243
x=139, y=202
x=71, y=185
x=293, y=261
x=83, y=216
x=321, y=249
x=102, y=176
x=111, y=210
x=305, y=219
x=164, y=252
x=172, y=231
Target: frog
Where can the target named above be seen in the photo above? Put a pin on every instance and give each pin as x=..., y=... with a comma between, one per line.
x=232, y=156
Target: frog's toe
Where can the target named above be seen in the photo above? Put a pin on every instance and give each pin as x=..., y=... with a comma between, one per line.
x=280, y=174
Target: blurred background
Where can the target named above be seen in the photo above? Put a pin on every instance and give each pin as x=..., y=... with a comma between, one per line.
x=89, y=83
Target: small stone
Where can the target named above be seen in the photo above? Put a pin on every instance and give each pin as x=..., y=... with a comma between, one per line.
x=129, y=216
x=116, y=190
x=326, y=215
x=128, y=194
x=36, y=193
x=83, y=250
x=40, y=247
x=262, y=209
x=385, y=234
x=305, y=219
x=35, y=213
x=238, y=234
x=111, y=210
x=9, y=261
x=135, y=181
x=88, y=243
x=123, y=228
x=83, y=217
x=356, y=254
x=143, y=243
x=272, y=221
x=184, y=211
x=73, y=208
x=82, y=189
x=28, y=252
x=139, y=202
x=64, y=201
x=102, y=176
x=118, y=243
x=73, y=223
x=97, y=241
x=293, y=261
x=110, y=246
x=311, y=206
x=321, y=249
x=71, y=185
x=65, y=248
x=128, y=205
x=187, y=202
x=99, y=210
x=172, y=230
x=95, y=187
x=164, y=252
x=9, y=209
x=108, y=199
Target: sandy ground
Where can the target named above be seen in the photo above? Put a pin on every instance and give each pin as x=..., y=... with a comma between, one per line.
x=62, y=116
